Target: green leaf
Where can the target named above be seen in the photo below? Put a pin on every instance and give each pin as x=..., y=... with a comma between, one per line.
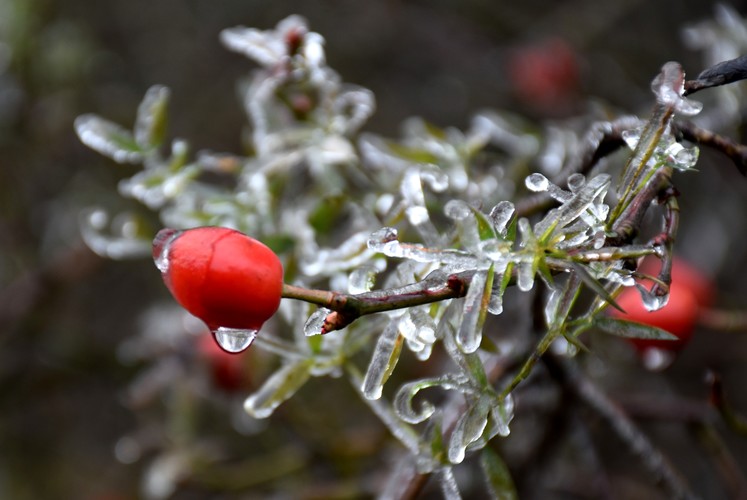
x=485, y=228
x=283, y=384
x=595, y=285
x=152, y=118
x=108, y=138
x=500, y=484
x=631, y=329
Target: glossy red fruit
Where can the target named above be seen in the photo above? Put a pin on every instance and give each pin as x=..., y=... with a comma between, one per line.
x=689, y=292
x=220, y=275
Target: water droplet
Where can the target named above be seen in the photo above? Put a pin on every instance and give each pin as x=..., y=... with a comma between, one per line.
x=652, y=301
x=576, y=182
x=537, y=183
x=161, y=246
x=457, y=210
x=381, y=237
x=234, y=340
x=655, y=359
x=315, y=323
x=632, y=136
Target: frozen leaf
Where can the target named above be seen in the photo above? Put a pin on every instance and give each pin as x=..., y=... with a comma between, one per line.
x=469, y=335
x=315, y=324
x=502, y=413
x=594, y=285
x=668, y=87
x=500, y=215
x=467, y=430
x=108, y=138
x=268, y=48
x=119, y=238
x=150, y=125
x=384, y=359
x=279, y=387
x=500, y=484
x=631, y=329
x=403, y=401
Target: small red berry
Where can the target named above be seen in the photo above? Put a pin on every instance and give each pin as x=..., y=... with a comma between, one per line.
x=220, y=275
x=688, y=293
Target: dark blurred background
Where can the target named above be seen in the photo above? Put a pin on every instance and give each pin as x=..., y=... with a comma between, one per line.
x=65, y=311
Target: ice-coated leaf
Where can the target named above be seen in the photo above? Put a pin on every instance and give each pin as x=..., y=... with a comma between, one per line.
x=119, y=238
x=501, y=415
x=631, y=329
x=315, y=324
x=151, y=121
x=403, y=400
x=384, y=359
x=475, y=310
x=279, y=387
x=268, y=48
x=108, y=138
x=500, y=216
x=499, y=481
x=467, y=430
x=470, y=363
x=594, y=284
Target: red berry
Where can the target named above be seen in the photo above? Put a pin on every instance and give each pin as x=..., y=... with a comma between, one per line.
x=220, y=275
x=689, y=291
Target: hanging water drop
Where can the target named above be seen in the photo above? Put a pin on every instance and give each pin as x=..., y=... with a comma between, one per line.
x=652, y=301
x=234, y=340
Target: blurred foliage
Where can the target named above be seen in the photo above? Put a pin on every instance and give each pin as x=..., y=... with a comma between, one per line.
x=77, y=416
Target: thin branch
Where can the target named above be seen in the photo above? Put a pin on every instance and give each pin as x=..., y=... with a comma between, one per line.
x=735, y=151
x=576, y=382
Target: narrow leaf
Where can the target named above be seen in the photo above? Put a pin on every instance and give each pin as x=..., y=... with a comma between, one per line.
x=594, y=285
x=150, y=125
x=500, y=484
x=631, y=329
x=108, y=138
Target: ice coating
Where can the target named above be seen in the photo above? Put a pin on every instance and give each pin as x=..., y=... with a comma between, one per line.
x=161, y=245
x=315, y=324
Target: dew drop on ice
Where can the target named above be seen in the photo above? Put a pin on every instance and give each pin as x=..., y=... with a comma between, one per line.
x=234, y=340
x=537, y=183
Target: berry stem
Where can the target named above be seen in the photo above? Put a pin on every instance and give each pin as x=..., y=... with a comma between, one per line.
x=346, y=308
